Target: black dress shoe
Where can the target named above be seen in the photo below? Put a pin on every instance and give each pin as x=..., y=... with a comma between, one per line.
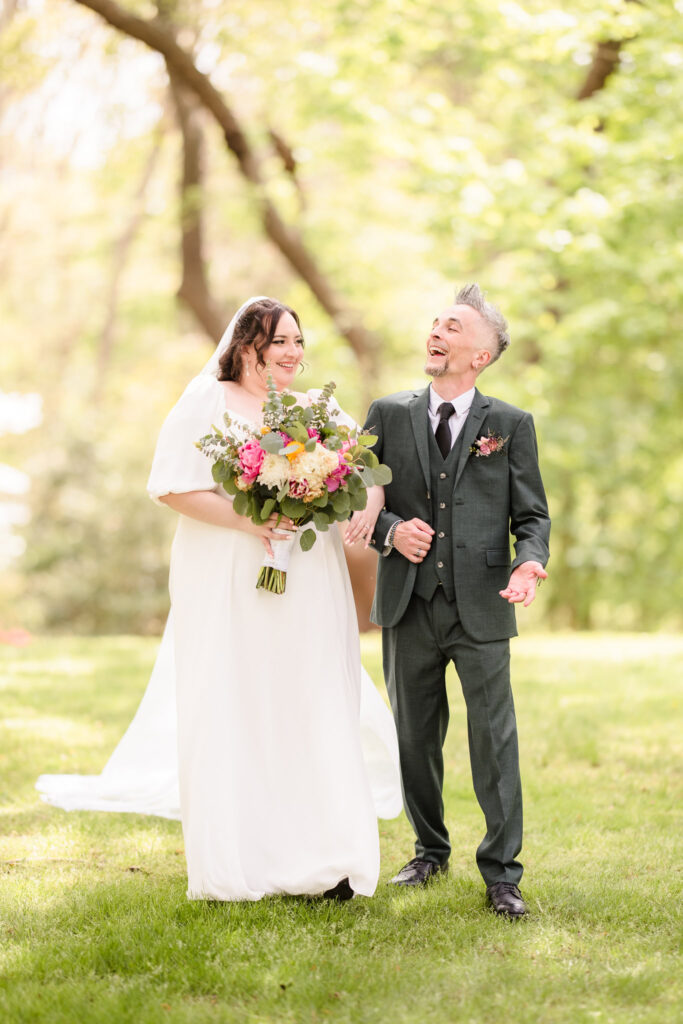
x=418, y=872
x=506, y=899
x=341, y=891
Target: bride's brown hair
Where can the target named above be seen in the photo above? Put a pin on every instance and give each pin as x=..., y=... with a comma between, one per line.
x=256, y=326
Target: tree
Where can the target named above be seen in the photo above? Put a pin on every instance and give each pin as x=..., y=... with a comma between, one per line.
x=431, y=147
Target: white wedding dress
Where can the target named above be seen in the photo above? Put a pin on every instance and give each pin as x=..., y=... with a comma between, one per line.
x=282, y=753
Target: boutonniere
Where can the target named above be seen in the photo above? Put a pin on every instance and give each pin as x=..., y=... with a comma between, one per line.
x=491, y=445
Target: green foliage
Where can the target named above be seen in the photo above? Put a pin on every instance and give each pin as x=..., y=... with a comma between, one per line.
x=433, y=144
x=96, y=925
x=307, y=538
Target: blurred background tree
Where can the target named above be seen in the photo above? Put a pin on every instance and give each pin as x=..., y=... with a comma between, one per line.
x=359, y=159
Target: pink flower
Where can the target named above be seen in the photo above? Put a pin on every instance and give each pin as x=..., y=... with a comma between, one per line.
x=490, y=445
x=336, y=478
x=312, y=432
x=251, y=456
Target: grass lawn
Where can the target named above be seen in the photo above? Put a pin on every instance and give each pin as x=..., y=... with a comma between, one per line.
x=95, y=926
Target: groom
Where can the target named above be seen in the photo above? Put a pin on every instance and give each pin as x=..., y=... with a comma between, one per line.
x=465, y=476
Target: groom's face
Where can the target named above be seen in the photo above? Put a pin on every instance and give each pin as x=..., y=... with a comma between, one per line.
x=457, y=343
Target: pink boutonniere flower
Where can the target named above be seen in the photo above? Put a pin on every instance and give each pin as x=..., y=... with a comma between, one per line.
x=491, y=445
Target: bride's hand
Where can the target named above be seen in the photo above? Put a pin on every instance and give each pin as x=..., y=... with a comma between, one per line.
x=272, y=529
x=361, y=527
x=362, y=524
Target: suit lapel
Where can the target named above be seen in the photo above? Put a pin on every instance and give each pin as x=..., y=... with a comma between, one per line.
x=420, y=419
x=476, y=415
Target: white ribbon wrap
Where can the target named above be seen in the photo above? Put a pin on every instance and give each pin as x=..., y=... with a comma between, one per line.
x=282, y=552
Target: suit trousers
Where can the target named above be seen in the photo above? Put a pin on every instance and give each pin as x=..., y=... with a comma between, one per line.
x=416, y=653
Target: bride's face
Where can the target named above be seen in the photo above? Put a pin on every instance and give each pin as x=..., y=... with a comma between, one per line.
x=284, y=354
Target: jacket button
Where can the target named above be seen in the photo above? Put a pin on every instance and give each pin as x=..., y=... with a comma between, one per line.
x=442, y=476
x=439, y=565
x=442, y=504
x=441, y=534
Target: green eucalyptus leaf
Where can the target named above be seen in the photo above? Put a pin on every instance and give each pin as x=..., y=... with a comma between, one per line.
x=268, y=506
x=271, y=442
x=293, y=508
x=341, y=502
x=298, y=432
x=367, y=440
x=241, y=504
x=288, y=399
x=382, y=474
x=321, y=521
x=307, y=539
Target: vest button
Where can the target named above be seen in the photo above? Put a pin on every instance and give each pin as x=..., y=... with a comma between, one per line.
x=442, y=476
x=441, y=534
x=439, y=565
x=442, y=504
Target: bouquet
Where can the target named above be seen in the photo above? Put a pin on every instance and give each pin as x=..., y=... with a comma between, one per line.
x=300, y=464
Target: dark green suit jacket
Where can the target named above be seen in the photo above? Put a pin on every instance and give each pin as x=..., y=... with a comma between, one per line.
x=493, y=496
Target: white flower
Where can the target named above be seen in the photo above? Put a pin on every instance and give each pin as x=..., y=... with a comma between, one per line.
x=315, y=466
x=274, y=471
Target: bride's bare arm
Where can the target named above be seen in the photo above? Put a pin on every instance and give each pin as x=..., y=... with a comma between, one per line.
x=362, y=524
x=208, y=507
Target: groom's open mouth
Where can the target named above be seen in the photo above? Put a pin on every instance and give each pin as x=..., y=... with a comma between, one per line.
x=437, y=350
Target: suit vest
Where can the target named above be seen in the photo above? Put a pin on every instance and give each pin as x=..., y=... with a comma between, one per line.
x=437, y=568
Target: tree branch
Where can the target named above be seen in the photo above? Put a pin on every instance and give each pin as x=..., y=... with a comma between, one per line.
x=606, y=57
x=286, y=238
x=605, y=62
x=194, y=288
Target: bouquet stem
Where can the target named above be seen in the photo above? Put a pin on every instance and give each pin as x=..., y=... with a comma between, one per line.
x=274, y=580
x=273, y=573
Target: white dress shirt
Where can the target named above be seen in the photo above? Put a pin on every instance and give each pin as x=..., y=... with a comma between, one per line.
x=461, y=404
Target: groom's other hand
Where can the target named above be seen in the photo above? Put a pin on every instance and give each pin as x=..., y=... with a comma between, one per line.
x=413, y=539
x=523, y=582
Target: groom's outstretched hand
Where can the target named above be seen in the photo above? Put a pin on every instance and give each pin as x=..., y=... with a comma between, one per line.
x=413, y=539
x=523, y=582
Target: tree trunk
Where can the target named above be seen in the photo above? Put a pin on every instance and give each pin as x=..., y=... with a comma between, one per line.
x=194, y=289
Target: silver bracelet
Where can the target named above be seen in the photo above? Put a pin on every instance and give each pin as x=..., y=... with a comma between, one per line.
x=392, y=531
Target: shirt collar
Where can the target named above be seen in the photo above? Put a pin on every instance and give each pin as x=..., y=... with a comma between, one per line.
x=461, y=404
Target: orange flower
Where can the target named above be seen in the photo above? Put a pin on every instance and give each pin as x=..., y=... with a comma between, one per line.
x=295, y=452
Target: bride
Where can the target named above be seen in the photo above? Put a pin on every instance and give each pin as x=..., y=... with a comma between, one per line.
x=279, y=732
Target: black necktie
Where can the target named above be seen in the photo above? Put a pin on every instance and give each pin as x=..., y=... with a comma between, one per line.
x=443, y=431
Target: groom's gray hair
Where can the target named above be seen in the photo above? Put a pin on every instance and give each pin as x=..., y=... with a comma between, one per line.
x=472, y=295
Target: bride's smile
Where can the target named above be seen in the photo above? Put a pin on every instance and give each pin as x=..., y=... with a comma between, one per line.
x=282, y=358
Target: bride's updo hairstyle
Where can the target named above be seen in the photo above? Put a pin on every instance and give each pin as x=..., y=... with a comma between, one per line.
x=256, y=326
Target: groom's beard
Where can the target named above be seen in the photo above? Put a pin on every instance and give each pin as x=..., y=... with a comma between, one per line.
x=436, y=371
